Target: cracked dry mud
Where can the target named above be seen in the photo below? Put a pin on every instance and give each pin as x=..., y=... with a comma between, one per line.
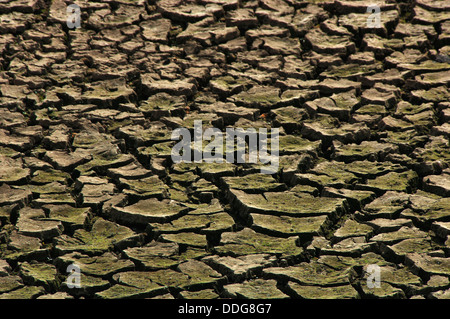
x=86, y=176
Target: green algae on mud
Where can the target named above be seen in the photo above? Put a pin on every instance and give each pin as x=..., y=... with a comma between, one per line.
x=286, y=226
x=254, y=289
x=393, y=181
x=247, y=241
x=312, y=273
x=86, y=175
x=205, y=224
x=288, y=203
x=254, y=183
x=103, y=236
x=317, y=292
x=103, y=266
x=139, y=284
x=40, y=274
x=27, y=292
x=148, y=210
x=158, y=255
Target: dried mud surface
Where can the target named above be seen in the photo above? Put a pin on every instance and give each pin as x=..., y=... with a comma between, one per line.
x=86, y=175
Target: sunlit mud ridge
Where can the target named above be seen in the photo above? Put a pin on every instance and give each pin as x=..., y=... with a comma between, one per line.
x=92, y=204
